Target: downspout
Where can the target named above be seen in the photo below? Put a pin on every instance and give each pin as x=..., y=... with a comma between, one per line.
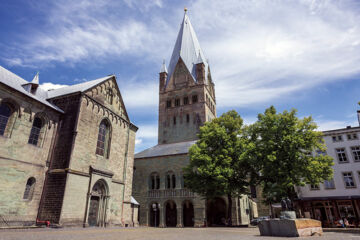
x=124, y=175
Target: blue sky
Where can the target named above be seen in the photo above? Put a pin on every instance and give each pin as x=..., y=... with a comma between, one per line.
x=301, y=54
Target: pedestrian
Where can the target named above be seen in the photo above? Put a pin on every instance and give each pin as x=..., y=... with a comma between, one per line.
x=341, y=222
x=346, y=222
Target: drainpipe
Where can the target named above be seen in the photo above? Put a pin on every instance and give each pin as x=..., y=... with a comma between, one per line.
x=124, y=174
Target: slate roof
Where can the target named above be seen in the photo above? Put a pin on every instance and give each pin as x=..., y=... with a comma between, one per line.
x=188, y=48
x=166, y=149
x=81, y=87
x=14, y=81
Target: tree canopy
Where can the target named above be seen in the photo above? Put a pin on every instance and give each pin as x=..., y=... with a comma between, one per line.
x=286, y=151
x=218, y=159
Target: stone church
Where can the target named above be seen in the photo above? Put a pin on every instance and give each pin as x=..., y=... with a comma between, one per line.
x=66, y=155
x=186, y=101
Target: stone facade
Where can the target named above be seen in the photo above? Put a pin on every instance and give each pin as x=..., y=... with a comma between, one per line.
x=83, y=163
x=186, y=101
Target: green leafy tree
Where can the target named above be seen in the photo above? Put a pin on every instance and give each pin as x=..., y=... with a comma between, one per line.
x=217, y=161
x=282, y=153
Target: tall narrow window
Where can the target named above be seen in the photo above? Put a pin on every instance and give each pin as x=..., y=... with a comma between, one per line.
x=177, y=102
x=186, y=100
x=29, y=189
x=341, y=155
x=5, y=112
x=187, y=118
x=110, y=96
x=194, y=99
x=174, y=120
x=168, y=103
x=168, y=181
x=173, y=181
x=154, y=181
x=103, y=142
x=35, y=131
x=356, y=153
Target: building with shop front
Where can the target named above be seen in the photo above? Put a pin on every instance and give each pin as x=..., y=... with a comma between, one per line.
x=186, y=101
x=66, y=155
x=339, y=197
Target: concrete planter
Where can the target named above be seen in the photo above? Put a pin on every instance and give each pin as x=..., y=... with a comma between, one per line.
x=290, y=227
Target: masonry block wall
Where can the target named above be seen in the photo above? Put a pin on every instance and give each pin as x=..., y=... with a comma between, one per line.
x=20, y=160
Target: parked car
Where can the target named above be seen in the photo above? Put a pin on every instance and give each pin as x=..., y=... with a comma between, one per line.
x=256, y=221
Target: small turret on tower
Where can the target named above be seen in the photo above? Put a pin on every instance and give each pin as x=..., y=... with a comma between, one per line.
x=162, y=76
x=200, y=69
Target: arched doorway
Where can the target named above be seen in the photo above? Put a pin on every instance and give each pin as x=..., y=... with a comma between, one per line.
x=154, y=214
x=98, y=204
x=216, y=212
x=171, y=216
x=188, y=214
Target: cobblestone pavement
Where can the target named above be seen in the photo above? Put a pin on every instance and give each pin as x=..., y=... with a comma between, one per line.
x=152, y=234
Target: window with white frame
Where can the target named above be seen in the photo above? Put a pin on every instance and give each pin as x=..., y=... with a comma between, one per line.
x=337, y=138
x=356, y=153
x=348, y=180
x=314, y=187
x=352, y=136
x=329, y=184
x=341, y=154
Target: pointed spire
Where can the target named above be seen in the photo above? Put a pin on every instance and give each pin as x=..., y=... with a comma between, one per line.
x=36, y=79
x=199, y=59
x=187, y=47
x=163, y=68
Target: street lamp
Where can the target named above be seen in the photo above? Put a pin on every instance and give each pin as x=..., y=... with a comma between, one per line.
x=155, y=208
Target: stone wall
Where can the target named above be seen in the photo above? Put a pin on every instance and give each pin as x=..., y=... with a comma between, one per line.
x=20, y=160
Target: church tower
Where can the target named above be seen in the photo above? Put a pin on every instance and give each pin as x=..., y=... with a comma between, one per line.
x=186, y=90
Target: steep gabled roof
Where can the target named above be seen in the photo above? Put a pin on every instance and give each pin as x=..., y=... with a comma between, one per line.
x=187, y=47
x=81, y=87
x=15, y=82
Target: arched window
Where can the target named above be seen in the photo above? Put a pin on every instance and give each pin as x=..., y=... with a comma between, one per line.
x=36, y=131
x=103, y=142
x=29, y=189
x=154, y=181
x=170, y=180
x=5, y=113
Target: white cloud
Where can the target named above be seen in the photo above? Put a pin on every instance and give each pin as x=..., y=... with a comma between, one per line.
x=262, y=50
x=259, y=50
x=138, y=141
x=335, y=124
x=48, y=86
x=148, y=131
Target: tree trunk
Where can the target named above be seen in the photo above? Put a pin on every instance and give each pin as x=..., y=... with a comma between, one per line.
x=229, y=209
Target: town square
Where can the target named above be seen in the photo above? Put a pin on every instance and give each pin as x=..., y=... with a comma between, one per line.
x=165, y=119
